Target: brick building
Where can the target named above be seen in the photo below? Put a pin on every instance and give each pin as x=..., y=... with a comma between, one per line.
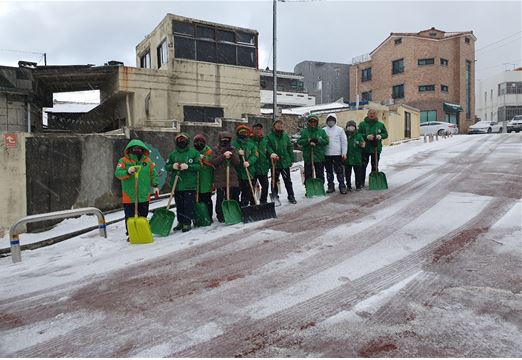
x=431, y=70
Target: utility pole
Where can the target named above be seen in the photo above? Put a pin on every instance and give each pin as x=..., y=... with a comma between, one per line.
x=45, y=59
x=274, y=70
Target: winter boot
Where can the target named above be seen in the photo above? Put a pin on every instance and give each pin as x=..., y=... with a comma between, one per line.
x=342, y=190
x=291, y=200
x=178, y=227
x=186, y=228
x=331, y=188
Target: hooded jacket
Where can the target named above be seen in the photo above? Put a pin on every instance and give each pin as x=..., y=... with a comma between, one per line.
x=281, y=145
x=372, y=127
x=147, y=176
x=337, y=144
x=187, y=178
x=251, y=155
x=313, y=133
x=220, y=163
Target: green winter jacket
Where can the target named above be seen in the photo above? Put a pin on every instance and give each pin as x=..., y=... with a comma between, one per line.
x=319, y=149
x=355, y=149
x=206, y=173
x=187, y=178
x=147, y=177
x=281, y=145
x=369, y=127
x=263, y=161
x=251, y=156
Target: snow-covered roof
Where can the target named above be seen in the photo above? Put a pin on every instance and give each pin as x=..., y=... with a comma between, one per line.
x=71, y=107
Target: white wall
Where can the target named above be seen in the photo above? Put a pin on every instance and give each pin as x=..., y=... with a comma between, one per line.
x=287, y=98
x=487, y=98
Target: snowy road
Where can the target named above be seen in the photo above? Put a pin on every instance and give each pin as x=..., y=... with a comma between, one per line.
x=431, y=267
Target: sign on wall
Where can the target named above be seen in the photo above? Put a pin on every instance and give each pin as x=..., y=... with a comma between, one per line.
x=10, y=140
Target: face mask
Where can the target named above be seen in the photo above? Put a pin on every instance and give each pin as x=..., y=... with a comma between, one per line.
x=181, y=144
x=351, y=128
x=279, y=132
x=330, y=123
x=199, y=145
x=242, y=136
x=224, y=143
x=137, y=152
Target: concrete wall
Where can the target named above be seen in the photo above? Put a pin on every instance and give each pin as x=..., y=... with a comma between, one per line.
x=12, y=182
x=335, y=77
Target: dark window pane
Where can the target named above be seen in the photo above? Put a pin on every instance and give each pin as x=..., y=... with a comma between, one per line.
x=245, y=38
x=206, y=51
x=226, y=54
x=184, y=48
x=398, y=66
x=201, y=114
x=426, y=61
x=183, y=28
x=205, y=32
x=398, y=91
x=246, y=56
x=225, y=36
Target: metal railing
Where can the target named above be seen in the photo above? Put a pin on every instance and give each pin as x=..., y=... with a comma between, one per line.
x=14, y=232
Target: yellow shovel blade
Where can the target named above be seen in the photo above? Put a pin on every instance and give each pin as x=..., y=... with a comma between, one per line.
x=139, y=230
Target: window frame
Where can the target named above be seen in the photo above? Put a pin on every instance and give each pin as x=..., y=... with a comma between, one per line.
x=366, y=74
x=427, y=88
x=424, y=61
x=204, y=111
x=145, y=59
x=444, y=88
x=401, y=92
x=162, y=55
x=444, y=62
x=400, y=69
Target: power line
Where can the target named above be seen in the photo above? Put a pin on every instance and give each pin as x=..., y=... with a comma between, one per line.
x=496, y=42
x=22, y=51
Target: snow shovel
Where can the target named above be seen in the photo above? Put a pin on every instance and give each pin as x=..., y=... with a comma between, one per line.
x=231, y=209
x=258, y=211
x=377, y=180
x=138, y=226
x=162, y=220
x=201, y=217
x=274, y=196
x=314, y=186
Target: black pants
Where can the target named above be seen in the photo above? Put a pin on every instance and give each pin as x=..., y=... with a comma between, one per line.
x=319, y=170
x=334, y=163
x=143, y=210
x=246, y=193
x=221, y=194
x=287, y=180
x=366, y=159
x=185, y=202
x=263, y=181
x=359, y=175
x=206, y=198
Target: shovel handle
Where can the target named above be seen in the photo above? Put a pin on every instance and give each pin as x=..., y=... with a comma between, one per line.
x=228, y=176
x=375, y=159
x=249, y=181
x=273, y=174
x=197, y=188
x=313, y=166
x=136, y=176
x=172, y=190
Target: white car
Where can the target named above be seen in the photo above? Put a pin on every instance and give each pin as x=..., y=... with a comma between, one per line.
x=515, y=124
x=485, y=127
x=438, y=127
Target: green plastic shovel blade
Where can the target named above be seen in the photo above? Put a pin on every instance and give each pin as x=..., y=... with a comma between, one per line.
x=161, y=222
x=377, y=181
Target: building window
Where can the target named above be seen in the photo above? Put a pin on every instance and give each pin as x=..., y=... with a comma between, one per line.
x=466, y=40
x=366, y=96
x=514, y=87
x=398, y=91
x=423, y=88
x=366, y=74
x=443, y=62
x=468, y=89
x=145, y=60
x=211, y=44
x=486, y=97
x=201, y=114
x=444, y=88
x=161, y=53
x=427, y=116
x=297, y=85
x=430, y=61
x=398, y=41
x=398, y=66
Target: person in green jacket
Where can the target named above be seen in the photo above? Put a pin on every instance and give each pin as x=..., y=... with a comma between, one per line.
x=206, y=173
x=353, y=160
x=373, y=132
x=263, y=163
x=248, y=155
x=136, y=157
x=282, y=153
x=184, y=162
x=313, y=137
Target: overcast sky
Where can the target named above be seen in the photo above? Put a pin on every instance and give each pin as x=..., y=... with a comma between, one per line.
x=81, y=32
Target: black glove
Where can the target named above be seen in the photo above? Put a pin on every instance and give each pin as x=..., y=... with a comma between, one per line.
x=314, y=141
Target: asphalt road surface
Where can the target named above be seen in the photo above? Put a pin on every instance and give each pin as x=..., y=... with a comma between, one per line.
x=418, y=270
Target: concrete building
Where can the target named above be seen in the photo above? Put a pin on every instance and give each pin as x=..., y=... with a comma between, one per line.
x=328, y=82
x=499, y=97
x=290, y=90
x=431, y=70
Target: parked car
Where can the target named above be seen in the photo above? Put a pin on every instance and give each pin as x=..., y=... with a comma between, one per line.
x=485, y=127
x=515, y=124
x=438, y=127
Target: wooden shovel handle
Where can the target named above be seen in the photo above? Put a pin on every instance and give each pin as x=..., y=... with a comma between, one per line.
x=172, y=190
x=249, y=181
x=313, y=166
x=136, y=178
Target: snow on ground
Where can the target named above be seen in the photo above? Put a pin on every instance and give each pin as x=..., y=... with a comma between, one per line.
x=90, y=255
